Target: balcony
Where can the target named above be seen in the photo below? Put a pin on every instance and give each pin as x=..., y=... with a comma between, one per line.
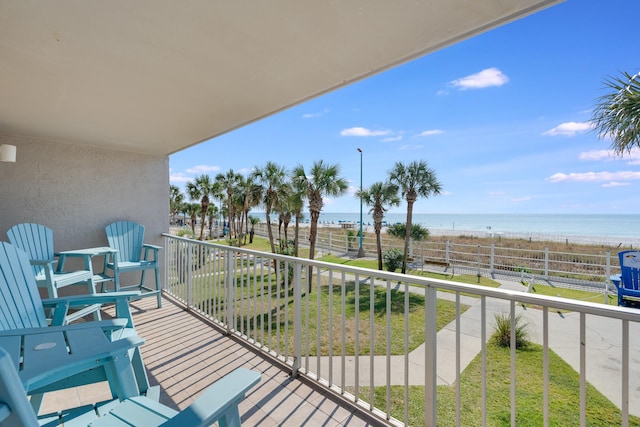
x=230, y=307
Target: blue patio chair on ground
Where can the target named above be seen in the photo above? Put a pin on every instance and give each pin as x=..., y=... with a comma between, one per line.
x=22, y=310
x=628, y=284
x=219, y=402
x=37, y=241
x=133, y=255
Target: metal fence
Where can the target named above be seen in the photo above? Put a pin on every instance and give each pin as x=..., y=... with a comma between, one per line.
x=379, y=339
x=587, y=271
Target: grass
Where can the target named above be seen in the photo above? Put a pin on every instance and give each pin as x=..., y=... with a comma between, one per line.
x=564, y=389
x=272, y=312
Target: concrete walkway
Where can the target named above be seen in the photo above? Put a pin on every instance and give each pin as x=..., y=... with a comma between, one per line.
x=603, y=350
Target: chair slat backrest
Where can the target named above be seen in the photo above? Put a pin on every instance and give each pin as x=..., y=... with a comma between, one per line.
x=20, y=302
x=127, y=237
x=36, y=240
x=15, y=408
x=630, y=269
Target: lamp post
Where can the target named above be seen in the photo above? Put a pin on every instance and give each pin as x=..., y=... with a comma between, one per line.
x=360, y=249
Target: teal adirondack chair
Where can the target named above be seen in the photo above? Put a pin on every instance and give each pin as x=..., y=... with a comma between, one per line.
x=219, y=403
x=37, y=241
x=21, y=308
x=133, y=255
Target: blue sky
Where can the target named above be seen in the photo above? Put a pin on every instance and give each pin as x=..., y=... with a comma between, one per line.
x=502, y=118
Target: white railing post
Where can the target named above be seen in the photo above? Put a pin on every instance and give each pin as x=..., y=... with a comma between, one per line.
x=446, y=252
x=493, y=252
x=607, y=274
x=189, y=274
x=430, y=356
x=546, y=262
x=297, y=319
x=230, y=294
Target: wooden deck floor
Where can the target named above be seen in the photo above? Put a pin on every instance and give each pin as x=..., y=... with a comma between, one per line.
x=185, y=354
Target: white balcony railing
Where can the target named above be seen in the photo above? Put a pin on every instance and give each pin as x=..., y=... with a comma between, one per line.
x=369, y=336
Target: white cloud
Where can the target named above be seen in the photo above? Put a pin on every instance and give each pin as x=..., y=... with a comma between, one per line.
x=360, y=131
x=203, y=169
x=431, y=132
x=595, y=155
x=521, y=199
x=314, y=115
x=408, y=147
x=179, y=178
x=616, y=184
x=594, y=176
x=392, y=138
x=632, y=157
x=569, y=129
x=485, y=78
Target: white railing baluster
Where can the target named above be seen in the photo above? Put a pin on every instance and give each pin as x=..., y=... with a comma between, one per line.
x=625, y=373
x=483, y=356
x=458, y=365
x=545, y=366
x=372, y=334
x=406, y=353
x=297, y=318
x=388, y=399
x=430, y=355
x=357, y=336
x=583, y=371
x=512, y=346
x=330, y=327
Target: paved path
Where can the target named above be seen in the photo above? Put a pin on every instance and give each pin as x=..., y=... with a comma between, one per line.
x=603, y=346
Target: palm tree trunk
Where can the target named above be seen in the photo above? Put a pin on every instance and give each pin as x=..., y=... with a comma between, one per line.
x=269, y=231
x=295, y=236
x=312, y=243
x=407, y=235
x=378, y=227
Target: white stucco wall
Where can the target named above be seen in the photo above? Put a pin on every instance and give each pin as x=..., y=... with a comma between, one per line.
x=76, y=190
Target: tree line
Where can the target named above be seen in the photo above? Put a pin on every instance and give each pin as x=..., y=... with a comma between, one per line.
x=286, y=193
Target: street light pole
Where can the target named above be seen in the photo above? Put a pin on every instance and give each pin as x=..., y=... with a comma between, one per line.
x=360, y=249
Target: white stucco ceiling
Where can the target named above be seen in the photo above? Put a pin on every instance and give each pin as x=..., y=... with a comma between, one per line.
x=157, y=76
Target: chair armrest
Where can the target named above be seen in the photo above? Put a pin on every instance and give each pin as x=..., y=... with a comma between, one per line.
x=43, y=261
x=120, y=299
x=105, y=325
x=78, y=300
x=218, y=400
x=154, y=247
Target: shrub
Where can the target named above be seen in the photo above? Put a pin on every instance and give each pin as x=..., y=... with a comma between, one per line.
x=399, y=230
x=392, y=259
x=502, y=336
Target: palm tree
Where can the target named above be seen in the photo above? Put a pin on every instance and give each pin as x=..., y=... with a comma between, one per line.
x=270, y=178
x=201, y=188
x=617, y=114
x=228, y=182
x=176, y=199
x=192, y=209
x=415, y=179
x=253, y=220
x=323, y=180
x=379, y=196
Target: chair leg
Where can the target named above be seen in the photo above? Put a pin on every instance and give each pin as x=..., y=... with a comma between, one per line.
x=158, y=287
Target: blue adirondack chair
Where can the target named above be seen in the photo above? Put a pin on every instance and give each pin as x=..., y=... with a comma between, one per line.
x=629, y=281
x=219, y=403
x=133, y=255
x=37, y=241
x=22, y=309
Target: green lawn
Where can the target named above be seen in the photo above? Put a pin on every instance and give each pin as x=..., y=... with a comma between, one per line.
x=564, y=389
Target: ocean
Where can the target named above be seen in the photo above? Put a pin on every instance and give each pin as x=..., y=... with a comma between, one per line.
x=595, y=228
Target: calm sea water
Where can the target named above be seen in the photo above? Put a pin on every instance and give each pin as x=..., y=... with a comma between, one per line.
x=596, y=227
